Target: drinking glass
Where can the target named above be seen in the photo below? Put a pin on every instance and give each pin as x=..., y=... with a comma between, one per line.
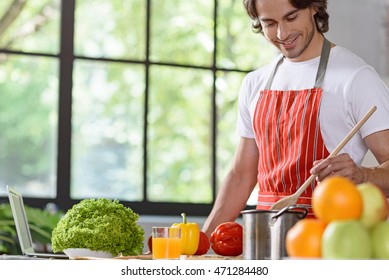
x=166, y=243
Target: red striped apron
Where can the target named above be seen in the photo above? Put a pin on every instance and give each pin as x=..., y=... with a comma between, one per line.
x=287, y=132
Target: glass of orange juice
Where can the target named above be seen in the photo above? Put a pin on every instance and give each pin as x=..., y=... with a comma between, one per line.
x=166, y=243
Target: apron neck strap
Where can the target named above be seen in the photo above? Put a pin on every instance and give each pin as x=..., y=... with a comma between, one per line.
x=321, y=71
x=325, y=53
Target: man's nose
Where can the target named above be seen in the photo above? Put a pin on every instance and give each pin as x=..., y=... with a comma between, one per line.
x=282, y=31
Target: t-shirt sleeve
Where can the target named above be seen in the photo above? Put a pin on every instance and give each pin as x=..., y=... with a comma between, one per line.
x=368, y=90
x=244, y=126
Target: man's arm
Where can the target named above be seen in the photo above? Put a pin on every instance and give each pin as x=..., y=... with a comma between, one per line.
x=378, y=144
x=343, y=165
x=236, y=187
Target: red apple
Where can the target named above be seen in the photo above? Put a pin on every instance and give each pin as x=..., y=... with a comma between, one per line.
x=380, y=240
x=375, y=204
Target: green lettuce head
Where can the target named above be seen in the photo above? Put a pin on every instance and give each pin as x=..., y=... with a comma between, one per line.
x=99, y=225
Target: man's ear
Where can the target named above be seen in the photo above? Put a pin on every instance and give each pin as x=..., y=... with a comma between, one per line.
x=314, y=11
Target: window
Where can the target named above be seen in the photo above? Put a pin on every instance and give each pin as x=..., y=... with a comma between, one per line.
x=134, y=100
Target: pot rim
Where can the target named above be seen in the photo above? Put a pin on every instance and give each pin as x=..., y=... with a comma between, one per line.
x=292, y=209
x=254, y=211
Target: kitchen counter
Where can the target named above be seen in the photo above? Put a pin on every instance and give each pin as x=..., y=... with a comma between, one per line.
x=17, y=257
x=183, y=257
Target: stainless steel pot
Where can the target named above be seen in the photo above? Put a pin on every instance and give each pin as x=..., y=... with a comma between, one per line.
x=264, y=231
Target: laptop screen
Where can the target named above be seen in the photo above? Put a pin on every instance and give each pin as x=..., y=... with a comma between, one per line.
x=20, y=218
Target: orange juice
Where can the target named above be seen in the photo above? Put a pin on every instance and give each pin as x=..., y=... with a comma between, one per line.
x=166, y=247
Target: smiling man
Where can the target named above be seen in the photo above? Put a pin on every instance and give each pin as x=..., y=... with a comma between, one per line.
x=295, y=111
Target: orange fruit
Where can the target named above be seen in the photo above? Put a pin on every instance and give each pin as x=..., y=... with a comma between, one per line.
x=303, y=239
x=336, y=198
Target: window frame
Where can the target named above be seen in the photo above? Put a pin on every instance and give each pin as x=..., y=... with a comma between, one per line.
x=66, y=58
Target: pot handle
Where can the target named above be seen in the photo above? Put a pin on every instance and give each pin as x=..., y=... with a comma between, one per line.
x=301, y=215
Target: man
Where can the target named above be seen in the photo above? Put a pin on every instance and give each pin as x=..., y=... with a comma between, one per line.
x=296, y=110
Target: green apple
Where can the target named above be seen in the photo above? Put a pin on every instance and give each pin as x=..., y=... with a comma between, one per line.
x=346, y=239
x=380, y=240
x=375, y=204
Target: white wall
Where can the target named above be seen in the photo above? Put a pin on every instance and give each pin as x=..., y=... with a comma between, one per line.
x=363, y=27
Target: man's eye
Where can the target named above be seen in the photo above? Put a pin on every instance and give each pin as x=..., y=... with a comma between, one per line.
x=291, y=18
x=268, y=24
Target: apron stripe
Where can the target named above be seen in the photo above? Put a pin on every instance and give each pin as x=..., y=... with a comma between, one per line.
x=270, y=131
x=290, y=137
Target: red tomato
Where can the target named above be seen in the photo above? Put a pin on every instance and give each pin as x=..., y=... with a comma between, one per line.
x=204, y=244
x=150, y=243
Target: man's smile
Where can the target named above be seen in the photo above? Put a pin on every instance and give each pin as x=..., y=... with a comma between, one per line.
x=289, y=44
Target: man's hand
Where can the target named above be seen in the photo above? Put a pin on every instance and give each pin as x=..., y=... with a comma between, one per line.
x=340, y=165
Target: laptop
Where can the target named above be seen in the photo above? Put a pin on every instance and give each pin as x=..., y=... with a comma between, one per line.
x=23, y=229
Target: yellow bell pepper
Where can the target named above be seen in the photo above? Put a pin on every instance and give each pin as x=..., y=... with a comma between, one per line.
x=190, y=235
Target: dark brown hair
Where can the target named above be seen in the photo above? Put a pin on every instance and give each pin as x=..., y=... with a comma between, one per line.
x=321, y=17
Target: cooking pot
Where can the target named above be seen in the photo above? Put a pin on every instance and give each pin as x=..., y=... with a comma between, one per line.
x=264, y=231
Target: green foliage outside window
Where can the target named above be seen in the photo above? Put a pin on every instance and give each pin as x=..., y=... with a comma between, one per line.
x=123, y=91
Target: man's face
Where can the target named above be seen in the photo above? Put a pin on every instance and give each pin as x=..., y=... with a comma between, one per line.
x=289, y=29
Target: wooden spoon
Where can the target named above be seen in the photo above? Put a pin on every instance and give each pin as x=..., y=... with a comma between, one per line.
x=292, y=199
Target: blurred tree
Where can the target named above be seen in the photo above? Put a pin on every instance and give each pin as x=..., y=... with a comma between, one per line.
x=28, y=93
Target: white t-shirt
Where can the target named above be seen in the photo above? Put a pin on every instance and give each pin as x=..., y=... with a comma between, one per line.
x=350, y=88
